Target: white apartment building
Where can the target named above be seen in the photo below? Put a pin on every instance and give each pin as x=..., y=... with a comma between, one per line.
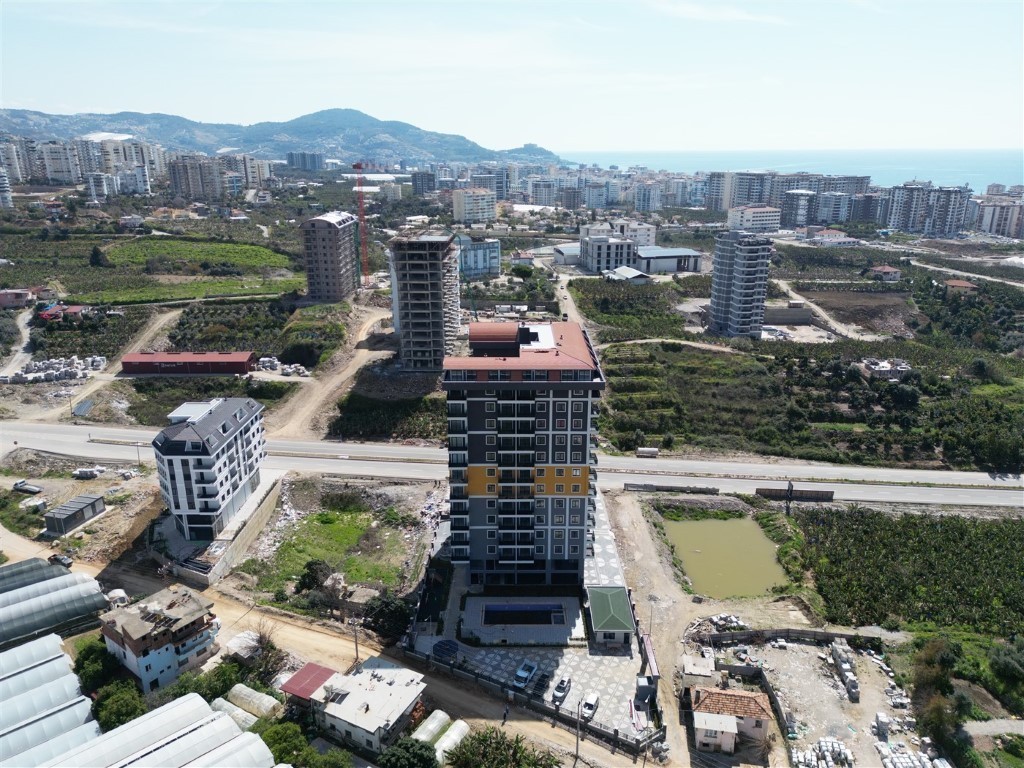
x=208, y=462
x=161, y=636
x=60, y=162
x=134, y=181
x=946, y=211
x=834, y=207
x=640, y=233
x=647, y=197
x=1003, y=218
x=474, y=205
x=478, y=257
x=543, y=192
x=595, y=195
x=12, y=160
x=600, y=253
x=6, y=199
x=101, y=185
x=755, y=218
x=739, y=284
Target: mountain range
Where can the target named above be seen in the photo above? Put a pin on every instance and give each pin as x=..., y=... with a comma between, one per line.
x=345, y=134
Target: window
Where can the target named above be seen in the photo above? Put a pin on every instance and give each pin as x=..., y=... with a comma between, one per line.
x=574, y=503
x=577, y=423
x=542, y=407
x=542, y=423
x=709, y=732
x=492, y=503
x=559, y=519
x=489, y=407
x=491, y=456
x=492, y=534
x=492, y=488
x=542, y=439
x=559, y=488
x=577, y=407
x=576, y=472
x=541, y=471
x=541, y=503
x=559, y=423
x=492, y=519
x=574, y=549
x=758, y=723
x=539, y=549
x=577, y=457
x=559, y=439
x=490, y=424
x=491, y=439
x=491, y=471
x=560, y=407
x=491, y=549
x=610, y=636
x=560, y=457
x=559, y=503
x=577, y=439
x=575, y=488
x=574, y=520
x=560, y=472
x=558, y=534
x=538, y=489
x=579, y=393
x=559, y=549
x=540, y=456
x=539, y=520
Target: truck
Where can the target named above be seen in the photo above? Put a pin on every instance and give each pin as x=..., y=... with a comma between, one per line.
x=24, y=486
x=647, y=453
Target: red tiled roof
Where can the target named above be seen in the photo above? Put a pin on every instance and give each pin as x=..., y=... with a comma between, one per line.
x=884, y=268
x=305, y=682
x=960, y=284
x=485, y=332
x=571, y=351
x=186, y=357
x=737, y=703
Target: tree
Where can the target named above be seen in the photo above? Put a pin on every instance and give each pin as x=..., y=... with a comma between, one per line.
x=493, y=747
x=117, y=704
x=269, y=659
x=284, y=740
x=314, y=574
x=388, y=615
x=409, y=753
x=97, y=258
x=95, y=665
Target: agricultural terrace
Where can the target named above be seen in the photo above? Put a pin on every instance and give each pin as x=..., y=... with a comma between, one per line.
x=360, y=416
x=168, y=255
x=95, y=334
x=270, y=328
x=359, y=538
x=803, y=262
x=820, y=408
x=152, y=398
x=68, y=263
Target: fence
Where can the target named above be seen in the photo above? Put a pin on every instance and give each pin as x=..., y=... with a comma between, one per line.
x=756, y=636
x=611, y=737
x=651, y=488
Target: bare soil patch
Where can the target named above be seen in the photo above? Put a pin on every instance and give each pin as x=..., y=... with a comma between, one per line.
x=879, y=312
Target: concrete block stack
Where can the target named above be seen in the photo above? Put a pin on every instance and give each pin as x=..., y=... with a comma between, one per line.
x=842, y=655
x=824, y=753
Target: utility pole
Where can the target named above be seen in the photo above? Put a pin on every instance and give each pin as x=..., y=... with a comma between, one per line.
x=579, y=706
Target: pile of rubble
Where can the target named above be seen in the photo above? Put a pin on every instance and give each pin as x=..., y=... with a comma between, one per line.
x=273, y=535
x=824, y=753
x=56, y=369
x=273, y=364
x=727, y=622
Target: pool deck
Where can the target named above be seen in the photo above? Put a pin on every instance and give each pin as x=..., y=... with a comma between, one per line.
x=572, y=631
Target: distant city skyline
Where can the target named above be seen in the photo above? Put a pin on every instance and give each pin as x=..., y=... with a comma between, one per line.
x=663, y=75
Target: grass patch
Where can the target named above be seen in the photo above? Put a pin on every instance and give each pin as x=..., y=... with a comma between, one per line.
x=158, y=396
x=361, y=416
x=633, y=311
x=782, y=531
x=164, y=254
x=677, y=512
x=145, y=290
x=19, y=520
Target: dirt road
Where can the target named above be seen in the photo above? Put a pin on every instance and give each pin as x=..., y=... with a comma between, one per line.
x=297, y=417
x=20, y=349
x=850, y=331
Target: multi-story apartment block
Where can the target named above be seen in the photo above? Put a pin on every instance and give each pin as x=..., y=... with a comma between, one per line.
x=425, y=298
x=1003, y=218
x=739, y=284
x=570, y=198
x=208, y=462
x=799, y=208
x=60, y=163
x=12, y=160
x=479, y=257
x=995, y=189
x=728, y=189
x=474, y=205
x=543, y=192
x=946, y=211
x=834, y=207
x=595, y=195
x=423, y=183
x=101, y=185
x=600, y=253
x=907, y=206
x=196, y=177
x=134, y=181
x=640, y=233
x=162, y=636
x=871, y=206
x=486, y=181
x=306, y=161
x=6, y=199
x=502, y=182
x=647, y=197
x=522, y=413
x=755, y=218
x=332, y=260
x=252, y=170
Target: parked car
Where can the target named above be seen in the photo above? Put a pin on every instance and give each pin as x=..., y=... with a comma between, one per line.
x=524, y=674
x=590, y=706
x=561, y=689
x=59, y=559
x=24, y=486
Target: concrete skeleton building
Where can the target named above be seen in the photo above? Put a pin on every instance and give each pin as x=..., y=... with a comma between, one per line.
x=739, y=284
x=162, y=636
x=425, y=297
x=799, y=208
x=208, y=462
x=423, y=183
x=6, y=199
x=522, y=412
x=332, y=259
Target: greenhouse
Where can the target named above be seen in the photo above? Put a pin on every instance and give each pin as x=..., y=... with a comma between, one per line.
x=42, y=587
x=432, y=727
x=242, y=719
x=244, y=751
x=451, y=739
x=254, y=702
x=72, y=609
x=28, y=576
x=44, y=727
x=42, y=753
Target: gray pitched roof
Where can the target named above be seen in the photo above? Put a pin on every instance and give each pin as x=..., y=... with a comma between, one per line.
x=213, y=429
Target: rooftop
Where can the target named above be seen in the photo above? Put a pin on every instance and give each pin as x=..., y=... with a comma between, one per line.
x=609, y=609
x=720, y=723
x=186, y=357
x=171, y=608
x=335, y=217
x=960, y=284
x=657, y=251
x=210, y=423
x=307, y=681
x=374, y=696
x=543, y=346
x=715, y=701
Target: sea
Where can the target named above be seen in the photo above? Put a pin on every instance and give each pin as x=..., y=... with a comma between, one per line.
x=886, y=167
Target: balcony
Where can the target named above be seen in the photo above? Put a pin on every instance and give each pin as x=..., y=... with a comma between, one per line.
x=457, y=427
x=458, y=460
x=460, y=554
x=514, y=524
x=522, y=539
x=514, y=555
x=459, y=524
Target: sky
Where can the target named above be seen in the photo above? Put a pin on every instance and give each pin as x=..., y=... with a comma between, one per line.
x=667, y=75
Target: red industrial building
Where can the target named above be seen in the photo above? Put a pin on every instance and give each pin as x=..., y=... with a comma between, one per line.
x=188, y=363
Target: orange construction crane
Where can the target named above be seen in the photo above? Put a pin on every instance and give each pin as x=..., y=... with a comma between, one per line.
x=364, y=236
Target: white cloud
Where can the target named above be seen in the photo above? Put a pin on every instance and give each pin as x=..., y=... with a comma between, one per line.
x=713, y=12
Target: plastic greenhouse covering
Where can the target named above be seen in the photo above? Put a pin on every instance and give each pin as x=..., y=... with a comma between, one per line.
x=24, y=578
x=42, y=587
x=53, y=725
x=36, y=676
x=9, y=570
x=124, y=741
x=50, y=611
x=456, y=733
x=185, y=747
x=15, y=660
x=41, y=753
x=244, y=751
x=432, y=726
x=254, y=702
x=28, y=705
x=242, y=719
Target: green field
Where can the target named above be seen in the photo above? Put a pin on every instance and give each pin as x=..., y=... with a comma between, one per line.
x=95, y=334
x=149, y=290
x=157, y=396
x=366, y=417
x=168, y=254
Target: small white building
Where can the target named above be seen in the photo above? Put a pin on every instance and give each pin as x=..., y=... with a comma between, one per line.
x=721, y=717
x=628, y=275
x=715, y=733
x=755, y=218
x=367, y=708
x=885, y=273
x=162, y=636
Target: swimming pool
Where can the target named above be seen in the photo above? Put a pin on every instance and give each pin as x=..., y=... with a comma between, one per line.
x=544, y=614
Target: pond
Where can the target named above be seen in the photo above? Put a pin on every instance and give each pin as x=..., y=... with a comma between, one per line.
x=726, y=558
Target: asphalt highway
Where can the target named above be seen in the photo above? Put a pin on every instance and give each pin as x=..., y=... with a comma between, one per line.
x=414, y=462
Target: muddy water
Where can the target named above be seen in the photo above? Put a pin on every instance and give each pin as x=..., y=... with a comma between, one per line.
x=726, y=558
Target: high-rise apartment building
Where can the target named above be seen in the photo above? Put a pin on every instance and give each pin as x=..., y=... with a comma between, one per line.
x=647, y=197
x=907, y=205
x=946, y=211
x=423, y=183
x=1005, y=218
x=60, y=163
x=332, y=261
x=486, y=181
x=570, y=198
x=755, y=218
x=13, y=162
x=306, y=161
x=196, y=177
x=739, y=284
x=728, y=189
x=479, y=257
x=543, y=192
x=834, y=207
x=425, y=298
x=522, y=413
x=595, y=195
x=799, y=208
x=6, y=199
x=208, y=463
x=474, y=205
